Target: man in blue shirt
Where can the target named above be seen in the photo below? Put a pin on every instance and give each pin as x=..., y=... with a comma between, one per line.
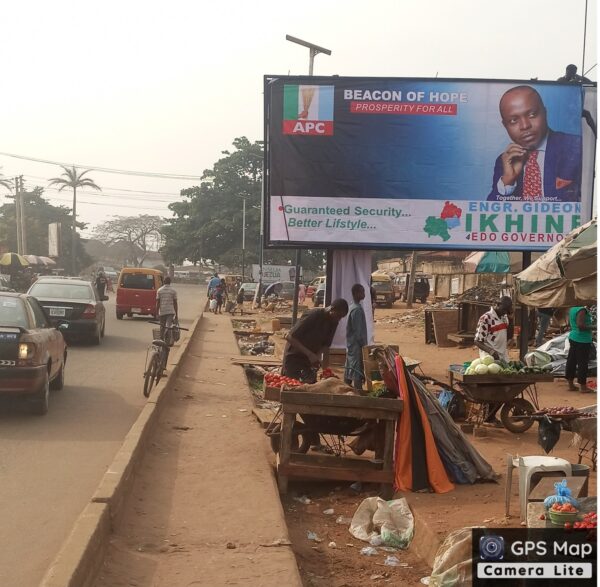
x=356, y=339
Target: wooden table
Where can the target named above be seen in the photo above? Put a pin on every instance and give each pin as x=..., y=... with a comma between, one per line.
x=319, y=466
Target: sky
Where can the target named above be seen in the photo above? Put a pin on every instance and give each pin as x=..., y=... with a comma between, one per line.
x=165, y=87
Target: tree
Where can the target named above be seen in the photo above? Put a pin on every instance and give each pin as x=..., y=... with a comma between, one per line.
x=208, y=221
x=73, y=179
x=140, y=233
x=5, y=183
x=40, y=213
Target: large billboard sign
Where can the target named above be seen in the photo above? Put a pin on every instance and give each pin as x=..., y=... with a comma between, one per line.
x=424, y=163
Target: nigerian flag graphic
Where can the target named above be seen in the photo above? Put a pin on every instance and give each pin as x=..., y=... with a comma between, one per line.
x=307, y=110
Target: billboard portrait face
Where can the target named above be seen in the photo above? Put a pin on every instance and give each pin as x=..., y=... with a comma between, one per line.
x=524, y=116
x=422, y=163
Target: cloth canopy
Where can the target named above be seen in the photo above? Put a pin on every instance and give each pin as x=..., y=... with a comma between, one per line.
x=565, y=275
x=13, y=260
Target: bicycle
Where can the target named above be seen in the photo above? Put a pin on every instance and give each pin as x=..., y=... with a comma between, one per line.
x=158, y=354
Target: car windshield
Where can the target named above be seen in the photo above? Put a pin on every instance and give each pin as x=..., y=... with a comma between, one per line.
x=382, y=285
x=66, y=291
x=137, y=281
x=13, y=313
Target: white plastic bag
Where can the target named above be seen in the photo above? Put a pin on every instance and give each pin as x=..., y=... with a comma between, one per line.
x=390, y=520
x=452, y=563
x=213, y=305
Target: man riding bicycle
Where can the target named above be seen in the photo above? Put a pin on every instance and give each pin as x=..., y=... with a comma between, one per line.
x=166, y=306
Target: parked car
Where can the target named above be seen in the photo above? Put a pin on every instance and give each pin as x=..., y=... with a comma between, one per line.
x=312, y=287
x=421, y=291
x=110, y=272
x=384, y=291
x=72, y=301
x=33, y=353
x=319, y=297
x=136, y=291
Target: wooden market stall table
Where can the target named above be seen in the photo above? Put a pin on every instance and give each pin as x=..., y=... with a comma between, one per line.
x=318, y=466
x=507, y=389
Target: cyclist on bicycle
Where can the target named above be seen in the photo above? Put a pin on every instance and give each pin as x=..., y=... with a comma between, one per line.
x=166, y=306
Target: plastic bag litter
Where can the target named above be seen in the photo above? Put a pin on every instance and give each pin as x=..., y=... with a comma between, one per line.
x=392, y=561
x=452, y=563
x=368, y=551
x=391, y=520
x=537, y=359
x=548, y=433
x=562, y=495
x=213, y=305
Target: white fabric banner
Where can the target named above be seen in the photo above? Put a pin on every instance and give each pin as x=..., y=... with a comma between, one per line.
x=350, y=267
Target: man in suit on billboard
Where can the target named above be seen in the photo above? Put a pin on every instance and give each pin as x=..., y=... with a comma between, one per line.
x=540, y=164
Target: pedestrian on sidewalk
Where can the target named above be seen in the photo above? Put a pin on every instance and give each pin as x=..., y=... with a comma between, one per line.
x=166, y=306
x=356, y=339
x=220, y=295
x=212, y=284
x=580, y=348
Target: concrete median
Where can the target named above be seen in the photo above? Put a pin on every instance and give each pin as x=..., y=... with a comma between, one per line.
x=81, y=555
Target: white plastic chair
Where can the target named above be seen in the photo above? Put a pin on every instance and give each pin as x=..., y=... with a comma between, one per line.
x=528, y=466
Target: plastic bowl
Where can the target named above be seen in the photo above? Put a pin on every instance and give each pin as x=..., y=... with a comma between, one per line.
x=559, y=518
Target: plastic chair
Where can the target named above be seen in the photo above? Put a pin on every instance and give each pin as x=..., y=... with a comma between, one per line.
x=529, y=466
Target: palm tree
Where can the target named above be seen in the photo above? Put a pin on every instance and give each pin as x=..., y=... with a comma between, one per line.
x=6, y=183
x=72, y=178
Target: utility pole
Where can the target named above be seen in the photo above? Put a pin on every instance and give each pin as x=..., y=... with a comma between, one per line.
x=23, y=216
x=74, y=235
x=18, y=217
x=411, y=279
x=313, y=51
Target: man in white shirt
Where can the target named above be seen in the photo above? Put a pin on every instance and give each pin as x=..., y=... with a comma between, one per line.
x=494, y=330
x=539, y=164
x=166, y=305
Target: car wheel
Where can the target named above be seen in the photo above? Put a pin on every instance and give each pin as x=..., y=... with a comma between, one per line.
x=119, y=316
x=96, y=337
x=59, y=381
x=39, y=405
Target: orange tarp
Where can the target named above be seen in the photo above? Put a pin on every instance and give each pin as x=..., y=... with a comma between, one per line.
x=436, y=473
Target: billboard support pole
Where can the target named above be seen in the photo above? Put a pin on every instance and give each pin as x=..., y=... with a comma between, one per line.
x=313, y=51
x=524, y=315
x=411, y=279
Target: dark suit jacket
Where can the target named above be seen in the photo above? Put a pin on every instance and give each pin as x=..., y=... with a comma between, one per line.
x=562, y=170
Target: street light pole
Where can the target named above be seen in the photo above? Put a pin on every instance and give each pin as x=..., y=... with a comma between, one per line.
x=313, y=51
x=244, y=240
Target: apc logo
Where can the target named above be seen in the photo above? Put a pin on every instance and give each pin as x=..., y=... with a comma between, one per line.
x=308, y=110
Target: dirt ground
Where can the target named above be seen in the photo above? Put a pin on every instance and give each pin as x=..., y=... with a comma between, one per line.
x=161, y=542
x=467, y=505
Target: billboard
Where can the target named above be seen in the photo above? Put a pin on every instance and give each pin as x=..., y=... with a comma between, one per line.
x=424, y=163
x=274, y=273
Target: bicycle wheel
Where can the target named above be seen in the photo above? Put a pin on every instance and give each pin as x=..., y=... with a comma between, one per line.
x=150, y=376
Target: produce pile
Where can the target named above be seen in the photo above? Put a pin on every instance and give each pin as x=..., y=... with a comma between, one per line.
x=558, y=411
x=327, y=373
x=488, y=366
x=277, y=380
x=589, y=522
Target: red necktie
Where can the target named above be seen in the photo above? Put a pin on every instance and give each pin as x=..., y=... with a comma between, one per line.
x=532, y=182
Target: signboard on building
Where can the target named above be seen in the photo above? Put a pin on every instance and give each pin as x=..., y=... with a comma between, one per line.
x=274, y=273
x=425, y=163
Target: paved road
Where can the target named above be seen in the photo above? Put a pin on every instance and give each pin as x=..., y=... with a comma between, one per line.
x=51, y=465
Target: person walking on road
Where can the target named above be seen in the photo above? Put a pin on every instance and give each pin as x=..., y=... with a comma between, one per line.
x=101, y=283
x=215, y=280
x=580, y=348
x=166, y=306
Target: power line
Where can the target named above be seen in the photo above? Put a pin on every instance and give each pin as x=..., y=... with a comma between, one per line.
x=105, y=169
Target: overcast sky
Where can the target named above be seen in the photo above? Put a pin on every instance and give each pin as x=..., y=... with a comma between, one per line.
x=166, y=86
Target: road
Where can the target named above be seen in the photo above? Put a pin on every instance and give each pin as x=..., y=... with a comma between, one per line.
x=50, y=466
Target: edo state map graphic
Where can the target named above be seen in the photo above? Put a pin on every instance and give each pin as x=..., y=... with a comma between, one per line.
x=447, y=220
